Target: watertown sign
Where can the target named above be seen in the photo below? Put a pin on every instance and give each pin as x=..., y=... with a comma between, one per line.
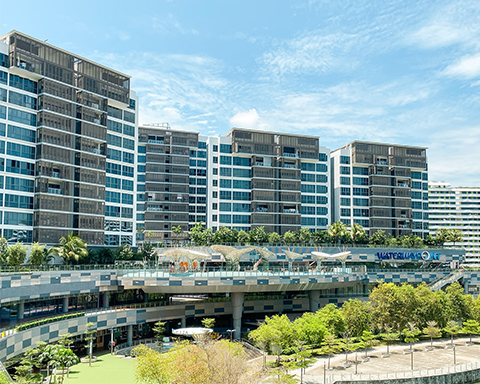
x=406, y=255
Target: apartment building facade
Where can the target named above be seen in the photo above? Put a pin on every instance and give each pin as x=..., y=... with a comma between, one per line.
x=457, y=208
x=381, y=186
x=68, y=128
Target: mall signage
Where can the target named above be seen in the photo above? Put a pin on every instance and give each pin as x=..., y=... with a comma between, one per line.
x=406, y=255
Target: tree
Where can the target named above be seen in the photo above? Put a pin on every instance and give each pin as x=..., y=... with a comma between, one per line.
x=367, y=338
x=304, y=236
x=389, y=337
x=225, y=235
x=378, y=238
x=3, y=251
x=196, y=233
x=337, y=231
x=243, y=237
x=429, y=241
x=455, y=236
x=124, y=252
x=310, y=329
x=177, y=231
x=410, y=335
x=442, y=236
x=358, y=234
x=453, y=328
x=159, y=332
x=356, y=315
x=461, y=304
x=58, y=356
x=17, y=254
x=432, y=331
x=151, y=367
x=258, y=235
x=331, y=316
x=471, y=327
x=331, y=345
x=322, y=237
x=37, y=254
x=289, y=237
x=66, y=340
x=274, y=238
x=90, y=335
x=70, y=248
x=105, y=256
x=208, y=322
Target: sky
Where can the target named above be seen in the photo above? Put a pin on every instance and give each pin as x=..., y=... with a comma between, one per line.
x=402, y=72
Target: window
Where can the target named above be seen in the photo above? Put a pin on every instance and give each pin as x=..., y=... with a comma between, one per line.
x=21, y=83
x=322, y=157
x=201, y=191
x=114, y=112
x=322, y=222
x=360, y=202
x=242, y=196
x=127, y=171
x=22, y=100
x=322, y=200
x=16, y=184
x=322, y=211
x=112, y=211
x=20, y=150
x=225, y=219
x=241, y=207
x=241, y=172
x=363, y=222
x=345, y=201
x=128, y=144
x=321, y=178
x=321, y=168
x=114, y=154
x=3, y=77
x=131, y=104
x=18, y=201
x=416, y=185
x=360, y=181
x=202, y=154
x=20, y=167
x=215, y=148
x=21, y=133
x=225, y=148
x=360, y=191
x=240, y=219
x=344, y=191
x=307, y=199
x=225, y=183
x=225, y=207
x=202, y=145
x=129, y=116
x=308, y=188
x=201, y=163
x=225, y=195
x=416, y=195
x=215, y=159
x=241, y=184
x=17, y=218
x=215, y=171
x=417, y=215
x=3, y=112
x=128, y=157
x=308, y=210
x=344, y=160
x=225, y=171
x=344, y=180
x=142, y=158
x=360, y=212
x=3, y=94
x=113, y=182
x=114, y=126
x=114, y=140
x=416, y=175
x=308, y=177
x=345, y=212
x=416, y=205
x=360, y=171
x=22, y=117
x=310, y=167
x=225, y=160
x=127, y=213
x=308, y=221
x=112, y=197
x=241, y=161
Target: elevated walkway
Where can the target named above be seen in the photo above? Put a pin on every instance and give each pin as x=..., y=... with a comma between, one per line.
x=451, y=278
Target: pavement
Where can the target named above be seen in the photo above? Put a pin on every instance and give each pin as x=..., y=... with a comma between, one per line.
x=423, y=358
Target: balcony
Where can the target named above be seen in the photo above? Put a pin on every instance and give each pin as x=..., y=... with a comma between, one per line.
x=290, y=210
x=290, y=155
x=156, y=142
x=291, y=166
x=55, y=191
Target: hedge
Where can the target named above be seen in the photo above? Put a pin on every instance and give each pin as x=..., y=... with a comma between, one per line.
x=31, y=324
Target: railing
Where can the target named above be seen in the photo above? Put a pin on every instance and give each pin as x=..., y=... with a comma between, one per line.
x=125, y=346
x=451, y=278
x=5, y=374
x=335, y=378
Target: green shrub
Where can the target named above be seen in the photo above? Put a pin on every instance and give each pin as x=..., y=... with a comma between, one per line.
x=36, y=323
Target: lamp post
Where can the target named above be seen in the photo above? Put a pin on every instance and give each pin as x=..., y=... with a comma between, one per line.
x=112, y=342
x=231, y=332
x=454, y=358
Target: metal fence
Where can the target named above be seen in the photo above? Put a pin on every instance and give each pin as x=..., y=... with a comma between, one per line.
x=338, y=378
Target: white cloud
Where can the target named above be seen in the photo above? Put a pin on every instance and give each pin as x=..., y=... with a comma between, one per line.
x=170, y=25
x=467, y=67
x=248, y=119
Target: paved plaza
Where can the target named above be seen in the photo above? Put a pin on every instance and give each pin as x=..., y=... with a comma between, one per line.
x=398, y=361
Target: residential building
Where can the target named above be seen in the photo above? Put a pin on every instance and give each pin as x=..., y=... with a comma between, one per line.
x=69, y=128
x=457, y=208
x=381, y=186
x=275, y=180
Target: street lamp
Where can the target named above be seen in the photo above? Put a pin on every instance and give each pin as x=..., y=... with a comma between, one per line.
x=112, y=342
x=231, y=332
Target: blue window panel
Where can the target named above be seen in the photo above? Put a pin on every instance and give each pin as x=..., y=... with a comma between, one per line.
x=127, y=185
x=114, y=126
x=129, y=130
x=129, y=116
x=21, y=133
x=22, y=117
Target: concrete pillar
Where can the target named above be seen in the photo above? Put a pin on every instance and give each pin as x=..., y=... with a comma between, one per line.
x=183, y=322
x=65, y=305
x=129, y=335
x=106, y=299
x=21, y=309
x=237, y=304
x=313, y=299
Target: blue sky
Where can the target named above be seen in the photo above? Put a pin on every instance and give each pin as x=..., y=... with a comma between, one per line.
x=405, y=72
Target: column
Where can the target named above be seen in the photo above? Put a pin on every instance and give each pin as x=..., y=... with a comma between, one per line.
x=65, y=304
x=313, y=299
x=129, y=335
x=237, y=304
x=21, y=309
x=106, y=299
x=183, y=322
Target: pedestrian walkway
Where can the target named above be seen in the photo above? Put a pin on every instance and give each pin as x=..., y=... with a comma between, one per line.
x=399, y=361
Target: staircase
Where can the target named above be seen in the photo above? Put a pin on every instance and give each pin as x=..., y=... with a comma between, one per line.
x=251, y=351
x=451, y=278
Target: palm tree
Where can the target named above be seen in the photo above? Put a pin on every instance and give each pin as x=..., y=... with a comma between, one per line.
x=358, y=233
x=337, y=231
x=70, y=248
x=455, y=236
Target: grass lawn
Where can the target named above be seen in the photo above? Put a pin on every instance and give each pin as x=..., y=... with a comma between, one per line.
x=107, y=369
